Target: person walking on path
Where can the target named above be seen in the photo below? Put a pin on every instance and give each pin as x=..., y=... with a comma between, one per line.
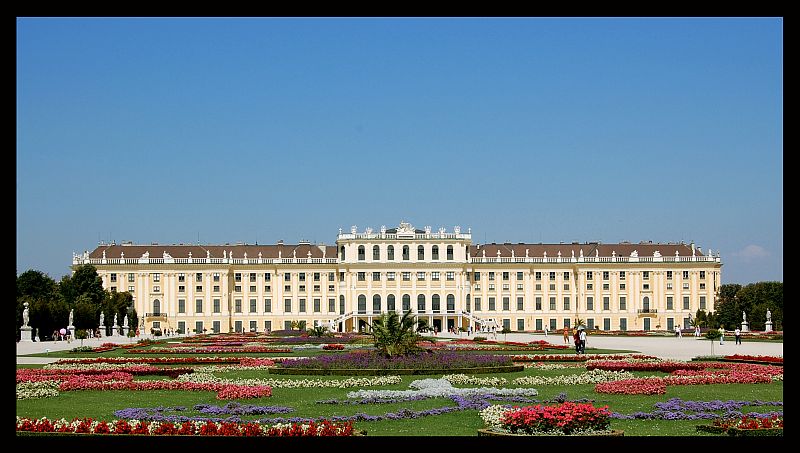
x=545, y=330
x=566, y=335
x=722, y=334
x=697, y=331
x=577, y=338
x=583, y=340
x=738, y=335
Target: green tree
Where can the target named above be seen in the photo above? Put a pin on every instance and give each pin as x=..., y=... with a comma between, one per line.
x=86, y=313
x=47, y=315
x=394, y=335
x=33, y=285
x=86, y=281
x=727, y=310
x=318, y=331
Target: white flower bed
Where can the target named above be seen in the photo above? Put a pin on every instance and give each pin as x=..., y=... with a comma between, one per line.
x=205, y=378
x=41, y=389
x=589, y=377
x=463, y=379
x=440, y=388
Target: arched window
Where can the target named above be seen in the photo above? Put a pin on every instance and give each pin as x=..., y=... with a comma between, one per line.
x=406, y=303
x=451, y=303
x=435, y=303
x=390, y=252
x=341, y=252
x=450, y=252
x=468, y=304
x=376, y=303
x=341, y=305
x=156, y=307
x=435, y=252
x=390, y=303
x=362, y=304
x=376, y=253
x=406, y=253
x=646, y=303
x=361, y=253
x=420, y=253
x=421, y=303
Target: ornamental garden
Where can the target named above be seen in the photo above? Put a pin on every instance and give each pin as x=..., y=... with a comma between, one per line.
x=393, y=382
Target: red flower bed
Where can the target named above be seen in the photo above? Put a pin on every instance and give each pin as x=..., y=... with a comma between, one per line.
x=755, y=358
x=333, y=347
x=209, y=428
x=648, y=386
x=750, y=422
x=224, y=391
x=666, y=367
x=155, y=360
x=566, y=418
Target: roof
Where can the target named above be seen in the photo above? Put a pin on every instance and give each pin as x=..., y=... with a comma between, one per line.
x=215, y=251
x=588, y=249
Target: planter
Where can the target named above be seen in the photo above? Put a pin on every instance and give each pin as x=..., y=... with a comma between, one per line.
x=490, y=432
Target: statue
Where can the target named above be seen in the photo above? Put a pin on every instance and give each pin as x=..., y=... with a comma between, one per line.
x=25, y=316
x=115, y=320
x=744, y=317
x=102, y=318
x=71, y=316
x=125, y=321
x=769, y=314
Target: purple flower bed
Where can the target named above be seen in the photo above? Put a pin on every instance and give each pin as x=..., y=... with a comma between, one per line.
x=677, y=409
x=445, y=360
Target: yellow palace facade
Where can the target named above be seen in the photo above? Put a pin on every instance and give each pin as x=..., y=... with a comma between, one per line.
x=439, y=275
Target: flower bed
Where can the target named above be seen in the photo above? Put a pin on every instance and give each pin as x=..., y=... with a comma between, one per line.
x=559, y=419
x=427, y=362
x=746, y=426
x=209, y=428
x=755, y=359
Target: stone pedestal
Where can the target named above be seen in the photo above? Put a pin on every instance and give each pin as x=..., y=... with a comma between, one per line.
x=26, y=334
x=71, y=329
x=745, y=327
x=768, y=326
x=125, y=331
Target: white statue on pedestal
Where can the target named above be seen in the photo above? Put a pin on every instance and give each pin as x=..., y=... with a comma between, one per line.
x=769, y=315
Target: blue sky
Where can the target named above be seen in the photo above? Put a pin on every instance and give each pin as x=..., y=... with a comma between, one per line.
x=522, y=129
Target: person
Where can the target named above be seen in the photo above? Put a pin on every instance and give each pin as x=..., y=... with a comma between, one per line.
x=55, y=335
x=583, y=341
x=722, y=334
x=469, y=330
x=566, y=335
x=577, y=339
x=677, y=332
x=697, y=331
x=545, y=330
x=738, y=335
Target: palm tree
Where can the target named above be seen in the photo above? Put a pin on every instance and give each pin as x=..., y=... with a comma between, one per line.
x=394, y=335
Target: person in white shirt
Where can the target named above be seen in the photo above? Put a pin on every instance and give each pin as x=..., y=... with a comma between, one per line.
x=722, y=334
x=738, y=335
x=583, y=341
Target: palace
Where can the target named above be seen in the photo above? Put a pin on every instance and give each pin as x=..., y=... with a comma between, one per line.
x=441, y=276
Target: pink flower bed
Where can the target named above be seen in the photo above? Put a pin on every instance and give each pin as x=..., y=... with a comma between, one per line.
x=40, y=374
x=208, y=350
x=156, y=360
x=566, y=418
x=759, y=358
x=252, y=361
x=666, y=367
x=224, y=391
x=89, y=426
x=646, y=386
x=333, y=347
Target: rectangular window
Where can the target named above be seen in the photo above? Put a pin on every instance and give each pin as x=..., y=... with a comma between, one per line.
x=156, y=277
x=686, y=286
x=622, y=286
x=253, y=326
x=519, y=286
x=317, y=306
x=450, y=252
x=252, y=277
x=605, y=275
x=622, y=275
x=331, y=276
x=520, y=304
x=267, y=305
x=316, y=288
x=237, y=277
x=215, y=305
x=623, y=303
x=451, y=276
x=302, y=276
x=406, y=276
x=685, y=275
x=589, y=275
x=606, y=287
x=198, y=277
x=506, y=304
x=669, y=275
x=505, y=276
x=267, y=277
x=376, y=276
x=552, y=286
x=114, y=278
x=390, y=276
x=606, y=323
x=198, y=305
x=331, y=288
x=566, y=275
x=181, y=326
x=237, y=288
x=287, y=277
x=198, y=327
x=362, y=276
x=331, y=305
x=477, y=304
x=267, y=326
x=606, y=303
x=566, y=303
x=685, y=302
x=552, y=275
x=237, y=306
x=131, y=289
x=216, y=288
x=623, y=324
x=538, y=287
x=566, y=323
x=645, y=275
x=216, y=277
x=519, y=276
x=553, y=325
x=590, y=303
x=702, y=286
x=669, y=285
x=341, y=276
x=646, y=286
x=435, y=276
x=590, y=323
x=538, y=303
x=252, y=288
x=181, y=289
x=492, y=306
x=669, y=303
x=199, y=288
x=538, y=324
x=130, y=278
x=538, y=276
x=702, y=275
x=477, y=276
x=491, y=276
x=566, y=286
x=181, y=306
x=520, y=324
x=287, y=305
x=287, y=288
x=491, y=286
x=302, y=306
x=420, y=275
x=505, y=286
x=702, y=302
x=156, y=289
x=589, y=287
x=552, y=303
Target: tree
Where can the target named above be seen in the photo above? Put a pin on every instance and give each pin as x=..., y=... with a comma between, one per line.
x=505, y=332
x=86, y=281
x=33, y=285
x=86, y=313
x=713, y=335
x=394, y=335
x=319, y=331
